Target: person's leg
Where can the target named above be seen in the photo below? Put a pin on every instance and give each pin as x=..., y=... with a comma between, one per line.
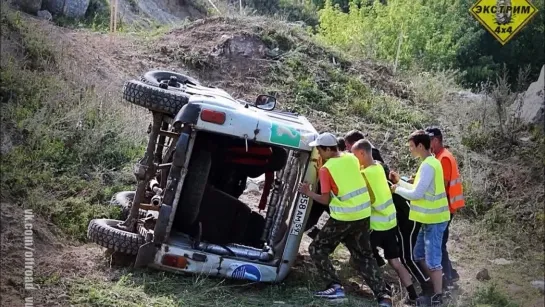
x=433, y=238
x=419, y=255
x=407, y=233
x=324, y=245
x=316, y=212
x=404, y=277
x=359, y=245
x=445, y=261
x=375, y=243
x=388, y=241
x=454, y=277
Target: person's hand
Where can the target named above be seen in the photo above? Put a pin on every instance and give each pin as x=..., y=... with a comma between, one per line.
x=304, y=187
x=394, y=177
x=393, y=188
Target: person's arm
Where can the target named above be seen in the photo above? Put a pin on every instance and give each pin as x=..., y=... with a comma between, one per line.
x=426, y=178
x=405, y=184
x=325, y=188
x=445, y=163
x=371, y=194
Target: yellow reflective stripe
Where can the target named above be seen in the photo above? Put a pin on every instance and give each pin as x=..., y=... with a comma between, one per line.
x=429, y=211
x=357, y=208
x=455, y=181
x=383, y=219
x=352, y=194
x=384, y=205
x=456, y=198
x=435, y=197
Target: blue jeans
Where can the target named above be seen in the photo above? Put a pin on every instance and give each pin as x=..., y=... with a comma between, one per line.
x=429, y=245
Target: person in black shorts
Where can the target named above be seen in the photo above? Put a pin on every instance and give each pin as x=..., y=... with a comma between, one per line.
x=383, y=215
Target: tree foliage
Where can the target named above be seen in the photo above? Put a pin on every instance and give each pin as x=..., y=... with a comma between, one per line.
x=435, y=34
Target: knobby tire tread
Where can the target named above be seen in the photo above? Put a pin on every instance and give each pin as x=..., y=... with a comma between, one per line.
x=102, y=233
x=154, y=98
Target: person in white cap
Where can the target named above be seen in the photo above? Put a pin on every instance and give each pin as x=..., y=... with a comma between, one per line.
x=344, y=189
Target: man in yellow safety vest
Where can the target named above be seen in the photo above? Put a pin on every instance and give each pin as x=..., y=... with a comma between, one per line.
x=429, y=206
x=344, y=189
x=383, y=213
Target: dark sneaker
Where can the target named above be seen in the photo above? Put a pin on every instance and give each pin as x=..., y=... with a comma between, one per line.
x=427, y=290
x=447, y=284
x=380, y=262
x=455, y=276
x=333, y=292
x=385, y=301
x=429, y=301
x=313, y=233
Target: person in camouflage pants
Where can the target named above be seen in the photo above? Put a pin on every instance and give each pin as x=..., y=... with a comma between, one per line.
x=355, y=236
x=343, y=188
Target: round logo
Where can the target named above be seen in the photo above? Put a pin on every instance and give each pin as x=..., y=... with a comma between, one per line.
x=247, y=271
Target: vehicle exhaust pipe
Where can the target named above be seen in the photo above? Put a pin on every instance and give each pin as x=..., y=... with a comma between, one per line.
x=238, y=251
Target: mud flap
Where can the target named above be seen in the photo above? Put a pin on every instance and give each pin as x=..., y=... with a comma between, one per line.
x=160, y=230
x=146, y=254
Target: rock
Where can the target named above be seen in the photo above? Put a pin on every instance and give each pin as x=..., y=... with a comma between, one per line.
x=532, y=102
x=252, y=187
x=29, y=6
x=241, y=46
x=539, y=284
x=45, y=15
x=466, y=96
x=483, y=275
x=54, y=6
x=75, y=8
x=501, y=261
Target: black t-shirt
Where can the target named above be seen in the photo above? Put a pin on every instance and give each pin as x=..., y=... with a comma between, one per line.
x=376, y=155
x=401, y=204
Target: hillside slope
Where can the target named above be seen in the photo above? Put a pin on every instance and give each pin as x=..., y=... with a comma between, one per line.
x=53, y=165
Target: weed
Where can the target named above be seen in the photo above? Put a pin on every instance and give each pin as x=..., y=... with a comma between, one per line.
x=137, y=288
x=431, y=88
x=491, y=296
x=97, y=18
x=37, y=49
x=69, y=148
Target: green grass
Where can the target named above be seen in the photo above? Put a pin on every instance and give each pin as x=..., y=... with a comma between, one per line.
x=69, y=147
x=97, y=18
x=154, y=288
x=491, y=296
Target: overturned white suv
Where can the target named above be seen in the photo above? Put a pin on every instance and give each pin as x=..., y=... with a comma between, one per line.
x=185, y=214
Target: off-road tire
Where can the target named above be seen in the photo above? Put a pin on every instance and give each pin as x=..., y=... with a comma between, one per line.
x=194, y=187
x=104, y=233
x=154, y=98
x=123, y=201
x=150, y=77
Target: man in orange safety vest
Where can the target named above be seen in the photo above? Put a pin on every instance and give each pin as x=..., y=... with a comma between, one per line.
x=454, y=189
